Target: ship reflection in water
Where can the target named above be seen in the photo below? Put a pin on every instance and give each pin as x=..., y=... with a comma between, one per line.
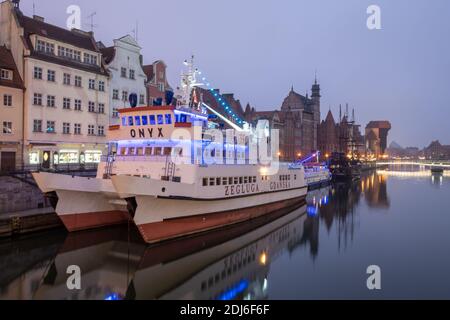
x=240, y=262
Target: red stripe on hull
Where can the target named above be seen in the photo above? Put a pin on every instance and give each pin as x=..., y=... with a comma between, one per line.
x=178, y=227
x=92, y=220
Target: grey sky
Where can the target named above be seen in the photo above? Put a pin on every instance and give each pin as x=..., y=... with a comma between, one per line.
x=259, y=48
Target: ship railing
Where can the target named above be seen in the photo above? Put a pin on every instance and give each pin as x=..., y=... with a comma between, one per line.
x=161, y=158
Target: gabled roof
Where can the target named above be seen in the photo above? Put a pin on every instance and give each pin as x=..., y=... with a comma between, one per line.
x=7, y=62
x=129, y=40
x=148, y=70
x=77, y=38
x=329, y=117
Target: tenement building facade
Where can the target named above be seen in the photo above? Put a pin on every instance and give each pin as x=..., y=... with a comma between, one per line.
x=66, y=101
x=124, y=63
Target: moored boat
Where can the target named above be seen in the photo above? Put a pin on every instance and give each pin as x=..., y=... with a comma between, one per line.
x=174, y=173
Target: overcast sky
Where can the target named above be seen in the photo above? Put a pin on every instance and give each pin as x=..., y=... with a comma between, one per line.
x=259, y=48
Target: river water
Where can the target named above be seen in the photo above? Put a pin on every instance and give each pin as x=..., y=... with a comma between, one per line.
x=397, y=221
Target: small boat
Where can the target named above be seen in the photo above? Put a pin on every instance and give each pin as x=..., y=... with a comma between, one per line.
x=317, y=175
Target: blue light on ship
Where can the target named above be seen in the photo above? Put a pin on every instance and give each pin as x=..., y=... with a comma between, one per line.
x=234, y=291
x=312, y=211
x=112, y=296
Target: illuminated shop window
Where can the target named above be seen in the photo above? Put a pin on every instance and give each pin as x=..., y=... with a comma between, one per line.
x=68, y=156
x=34, y=157
x=92, y=156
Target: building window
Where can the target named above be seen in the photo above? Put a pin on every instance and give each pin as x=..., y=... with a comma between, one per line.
x=37, y=73
x=78, y=81
x=161, y=75
x=44, y=46
x=37, y=99
x=51, y=127
x=51, y=75
x=123, y=72
x=101, y=130
x=91, y=106
x=161, y=86
x=7, y=100
x=124, y=95
x=115, y=95
x=66, y=79
x=131, y=74
x=77, y=128
x=37, y=125
x=51, y=101
x=77, y=104
x=141, y=99
x=66, y=128
x=115, y=113
x=92, y=84
x=7, y=127
x=77, y=55
x=101, y=86
x=101, y=108
x=69, y=53
x=66, y=103
x=91, y=129
x=90, y=59
x=5, y=74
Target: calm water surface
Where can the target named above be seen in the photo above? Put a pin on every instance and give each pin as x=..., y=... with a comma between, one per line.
x=319, y=251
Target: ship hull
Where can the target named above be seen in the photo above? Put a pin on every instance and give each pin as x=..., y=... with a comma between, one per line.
x=83, y=203
x=183, y=226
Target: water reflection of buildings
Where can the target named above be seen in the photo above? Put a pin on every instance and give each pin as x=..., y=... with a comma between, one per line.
x=231, y=263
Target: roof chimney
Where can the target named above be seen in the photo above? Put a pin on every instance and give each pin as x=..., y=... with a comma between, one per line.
x=38, y=18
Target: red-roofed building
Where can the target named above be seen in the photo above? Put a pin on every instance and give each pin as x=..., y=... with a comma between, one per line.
x=157, y=83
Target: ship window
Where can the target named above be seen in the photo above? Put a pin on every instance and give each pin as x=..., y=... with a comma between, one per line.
x=139, y=151
x=152, y=119
x=131, y=151
x=137, y=120
x=130, y=120
x=295, y=177
x=230, y=180
x=224, y=181
x=245, y=179
x=167, y=151
x=158, y=151
x=182, y=118
x=241, y=180
x=218, y=180
x=123, y=151
x=148, y=151
x=177, y=118
x=160, y=119
x=144, y=120
x=236, y=180
x=168, y=119
x=124, y=121
x=205, y=181
x=211, y=181
x=254, y=179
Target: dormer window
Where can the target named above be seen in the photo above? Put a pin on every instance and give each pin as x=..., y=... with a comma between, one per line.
x=90, y=58
x=46, y=47
x=5, y=74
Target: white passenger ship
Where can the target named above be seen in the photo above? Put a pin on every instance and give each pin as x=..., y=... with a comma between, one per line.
x=157, y=174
